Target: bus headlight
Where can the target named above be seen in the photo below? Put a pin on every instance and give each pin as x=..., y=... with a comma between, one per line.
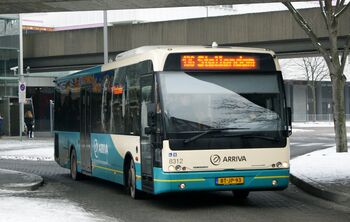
x=274, y=182
x=178, y=168
x=171, y=168
x=285, y=164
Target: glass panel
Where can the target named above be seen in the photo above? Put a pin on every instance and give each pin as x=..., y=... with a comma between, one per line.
x=9, y=45
x=197, y=102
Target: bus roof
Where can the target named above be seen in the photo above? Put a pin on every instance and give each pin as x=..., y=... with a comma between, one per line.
x=158, y=54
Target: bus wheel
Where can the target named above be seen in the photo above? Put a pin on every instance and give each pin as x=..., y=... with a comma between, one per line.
x=240, y=194
x=73, y=166
x=134, y=193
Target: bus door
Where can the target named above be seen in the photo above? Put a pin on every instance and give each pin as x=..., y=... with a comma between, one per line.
x=147, y=138
x=85, y=128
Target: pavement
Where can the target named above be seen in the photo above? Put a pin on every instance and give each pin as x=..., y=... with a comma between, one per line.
x=19, y=181
x=336, y=190
x=16, y=180
x=324, y=174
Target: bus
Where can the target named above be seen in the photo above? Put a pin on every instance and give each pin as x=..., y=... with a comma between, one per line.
x=163, y=119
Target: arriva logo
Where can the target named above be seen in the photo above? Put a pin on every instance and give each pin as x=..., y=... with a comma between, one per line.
x=216, y=159
x=100, y=148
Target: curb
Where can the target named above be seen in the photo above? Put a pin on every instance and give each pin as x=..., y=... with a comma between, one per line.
x=22, y=181
x=320, y=191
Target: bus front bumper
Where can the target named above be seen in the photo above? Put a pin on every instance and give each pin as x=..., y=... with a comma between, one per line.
x=276, y=179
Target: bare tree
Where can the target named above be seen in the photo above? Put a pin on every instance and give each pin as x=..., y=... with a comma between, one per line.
x=335, y=60
x=315, y=70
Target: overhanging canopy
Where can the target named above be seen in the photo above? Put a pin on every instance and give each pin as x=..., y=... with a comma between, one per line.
x=31, y=6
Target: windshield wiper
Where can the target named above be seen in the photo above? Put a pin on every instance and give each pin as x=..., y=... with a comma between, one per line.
x=212, y=130
x=253, y=136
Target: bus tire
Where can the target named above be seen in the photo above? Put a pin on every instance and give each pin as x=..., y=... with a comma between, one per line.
x=75, y=175
x=134, y=193
x=240, y=194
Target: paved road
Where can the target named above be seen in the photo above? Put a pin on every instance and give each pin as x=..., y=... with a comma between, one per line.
x=111, y=202
x=310, y=139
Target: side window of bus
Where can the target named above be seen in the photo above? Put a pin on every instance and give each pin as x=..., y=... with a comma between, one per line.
x=118, y=101
x=101, y=100
x=125, y=102
x=132, y=120
x=58, y=109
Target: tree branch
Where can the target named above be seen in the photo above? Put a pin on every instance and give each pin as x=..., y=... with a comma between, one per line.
x=306, y=67
x=342, y=10
x=305, y=26
x=323, y=12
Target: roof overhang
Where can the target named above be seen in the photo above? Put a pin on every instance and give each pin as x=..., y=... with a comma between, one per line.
x=34, y=6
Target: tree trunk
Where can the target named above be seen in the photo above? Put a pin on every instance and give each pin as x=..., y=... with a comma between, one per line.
x=339, y=117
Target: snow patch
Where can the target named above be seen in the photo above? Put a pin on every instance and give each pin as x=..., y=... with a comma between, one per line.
x=314, y=124
x=35, y=150
x=32, y=158
x=35, y=209
x=302, y=130
x=323, y=166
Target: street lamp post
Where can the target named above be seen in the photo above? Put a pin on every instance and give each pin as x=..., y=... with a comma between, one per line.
x=105, y=37
x=21, y=78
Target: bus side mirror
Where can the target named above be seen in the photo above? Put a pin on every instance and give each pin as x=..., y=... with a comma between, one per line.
x=289, y=118
x=151, y=114
x=149, y=130
x=151, y=119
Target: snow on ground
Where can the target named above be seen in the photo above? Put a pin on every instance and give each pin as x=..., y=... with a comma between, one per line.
x=302, y=130
x=27, y=149
x=314, y=124
x=42, y=209
x=31, y=208
x=323, y=166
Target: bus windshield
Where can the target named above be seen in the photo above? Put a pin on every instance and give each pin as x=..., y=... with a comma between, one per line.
x=196, y=102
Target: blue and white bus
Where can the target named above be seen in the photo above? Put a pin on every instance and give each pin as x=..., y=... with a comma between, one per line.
x=177, y=118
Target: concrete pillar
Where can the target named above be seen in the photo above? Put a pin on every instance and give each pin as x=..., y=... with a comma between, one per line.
x=289, y=91
x=299, y=103
x=319, y=98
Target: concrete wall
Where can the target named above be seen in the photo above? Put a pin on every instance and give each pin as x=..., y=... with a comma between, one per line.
x=262, y=27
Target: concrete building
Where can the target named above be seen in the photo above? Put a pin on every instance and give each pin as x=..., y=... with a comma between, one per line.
x=299, y=93
x=47, y=52
x=9, y=46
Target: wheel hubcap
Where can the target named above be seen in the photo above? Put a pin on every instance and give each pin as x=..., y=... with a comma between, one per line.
x=132, y=180
x=73, y=166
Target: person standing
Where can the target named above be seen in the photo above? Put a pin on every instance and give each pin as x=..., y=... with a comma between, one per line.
x=1, y=124
x=29, y=121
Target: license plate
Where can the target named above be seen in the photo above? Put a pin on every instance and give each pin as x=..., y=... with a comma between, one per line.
x=229, y=180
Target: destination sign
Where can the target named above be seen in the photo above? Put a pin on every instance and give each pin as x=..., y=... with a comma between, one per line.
x=218, y=62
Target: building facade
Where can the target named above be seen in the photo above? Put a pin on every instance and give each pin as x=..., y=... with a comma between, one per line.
x=9, y=53
x=300, y=98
